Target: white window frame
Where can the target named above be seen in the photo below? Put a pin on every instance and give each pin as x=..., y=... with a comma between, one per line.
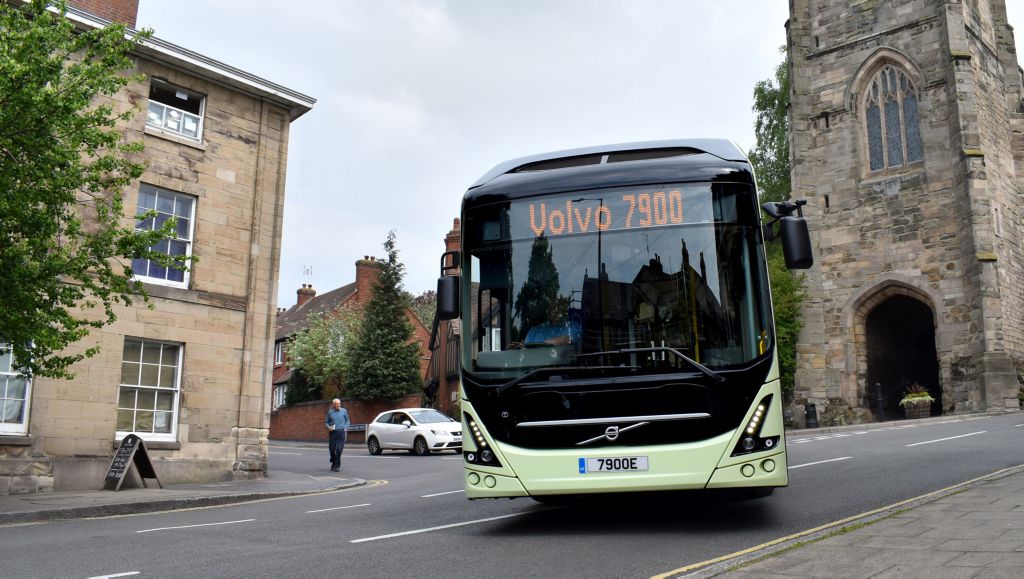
x=171, y=436
x=279, y=353
x=280, y=392
x=190, y=241
x=8, y=372
x=166, y=118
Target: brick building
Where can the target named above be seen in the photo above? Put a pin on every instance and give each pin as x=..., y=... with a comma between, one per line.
x=191, y=376
x=294, y=423
x=906, y=128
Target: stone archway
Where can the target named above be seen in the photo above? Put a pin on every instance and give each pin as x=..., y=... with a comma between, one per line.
x=892, y=343
x=900, y=344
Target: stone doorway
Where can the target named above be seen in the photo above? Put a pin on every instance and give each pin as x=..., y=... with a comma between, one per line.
x=900, y=334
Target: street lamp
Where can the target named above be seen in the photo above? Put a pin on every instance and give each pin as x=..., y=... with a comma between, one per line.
x=600, y=267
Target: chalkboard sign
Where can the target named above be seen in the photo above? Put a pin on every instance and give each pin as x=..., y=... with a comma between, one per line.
x=131, y=451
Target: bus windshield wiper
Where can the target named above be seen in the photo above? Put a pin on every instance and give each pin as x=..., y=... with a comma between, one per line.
x=534, y=372
x=655, y=349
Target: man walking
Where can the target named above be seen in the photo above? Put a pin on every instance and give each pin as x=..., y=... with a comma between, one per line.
x=337, y=424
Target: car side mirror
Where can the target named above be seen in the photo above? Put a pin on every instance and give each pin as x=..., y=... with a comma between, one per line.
x=407, y=424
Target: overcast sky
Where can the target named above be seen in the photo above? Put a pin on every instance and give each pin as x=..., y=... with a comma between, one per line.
x=416, y=99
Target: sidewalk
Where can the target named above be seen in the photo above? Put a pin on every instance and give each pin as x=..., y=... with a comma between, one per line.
x=15, y=509
x=972, y=529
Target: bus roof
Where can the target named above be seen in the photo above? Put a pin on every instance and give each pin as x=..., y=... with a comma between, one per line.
x=721, y=148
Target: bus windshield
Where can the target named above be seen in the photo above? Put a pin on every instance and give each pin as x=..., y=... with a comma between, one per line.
x=648, y=279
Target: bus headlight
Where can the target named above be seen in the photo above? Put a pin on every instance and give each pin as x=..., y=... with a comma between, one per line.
x=751, y=440
x=485, y=457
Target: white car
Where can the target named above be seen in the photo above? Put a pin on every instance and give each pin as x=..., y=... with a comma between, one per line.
x=418, y=430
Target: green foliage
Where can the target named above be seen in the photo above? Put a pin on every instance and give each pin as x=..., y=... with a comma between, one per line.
x=425, y=307
x=916, y=394
x=302, y=389
x=65, y=251
x=383, y=364
x=321, y=352
x=770, y=159
x=787, y=297
x=770, y=156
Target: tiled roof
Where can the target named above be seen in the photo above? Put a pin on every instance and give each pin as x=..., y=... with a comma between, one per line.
x=295, y=319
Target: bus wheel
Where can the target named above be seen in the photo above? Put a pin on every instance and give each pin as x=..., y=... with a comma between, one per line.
x=419, y=447
x=373, y=446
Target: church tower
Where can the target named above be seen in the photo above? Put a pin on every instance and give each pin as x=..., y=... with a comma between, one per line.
x=906, y=129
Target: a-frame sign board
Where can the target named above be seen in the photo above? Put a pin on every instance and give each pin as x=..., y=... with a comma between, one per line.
x=132, y=451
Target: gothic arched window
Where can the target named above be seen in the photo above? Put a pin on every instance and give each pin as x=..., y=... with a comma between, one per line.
x=894, y=135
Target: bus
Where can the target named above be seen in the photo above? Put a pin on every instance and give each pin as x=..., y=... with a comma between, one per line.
x=615, y=322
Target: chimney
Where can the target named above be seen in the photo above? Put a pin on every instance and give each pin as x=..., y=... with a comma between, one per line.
x=453, y=242
x=305, y=293
x=367, y=272
x=125, y=11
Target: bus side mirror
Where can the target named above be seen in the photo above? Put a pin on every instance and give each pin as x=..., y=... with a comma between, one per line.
x=796, y=242
x=448, y=297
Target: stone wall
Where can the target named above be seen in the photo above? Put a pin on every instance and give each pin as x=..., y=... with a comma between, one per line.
x=944, y=230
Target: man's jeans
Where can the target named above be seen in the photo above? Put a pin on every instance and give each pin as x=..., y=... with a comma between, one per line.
x=336, y=446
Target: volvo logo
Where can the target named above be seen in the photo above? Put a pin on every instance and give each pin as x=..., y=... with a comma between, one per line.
x=612, y=433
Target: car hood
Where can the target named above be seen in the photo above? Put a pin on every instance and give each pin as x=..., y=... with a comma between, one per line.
x=445, y=426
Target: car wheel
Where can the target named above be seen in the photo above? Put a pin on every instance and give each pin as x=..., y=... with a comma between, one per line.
x=373, y=446
x=419, y=447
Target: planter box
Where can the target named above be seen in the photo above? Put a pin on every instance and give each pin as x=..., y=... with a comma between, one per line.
x=919, y=410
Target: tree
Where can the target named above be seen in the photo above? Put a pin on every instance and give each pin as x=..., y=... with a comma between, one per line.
x=770, y=156
x=65, y=248
x=302, y=389
x=538, y=301
x=770, y=159
x=425, y=307
x=321, y=351
x=383, y=363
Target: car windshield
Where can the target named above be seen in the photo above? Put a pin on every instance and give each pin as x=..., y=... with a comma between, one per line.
x=429, y=416
x=616, y=277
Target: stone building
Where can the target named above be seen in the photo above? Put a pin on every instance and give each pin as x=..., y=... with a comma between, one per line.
x=192, y=375
x=906, y=128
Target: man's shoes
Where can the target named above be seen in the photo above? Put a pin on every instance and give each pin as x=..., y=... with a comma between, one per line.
x=335, y=469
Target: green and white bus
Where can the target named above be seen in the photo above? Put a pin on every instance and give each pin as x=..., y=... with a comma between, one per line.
x=616, y=323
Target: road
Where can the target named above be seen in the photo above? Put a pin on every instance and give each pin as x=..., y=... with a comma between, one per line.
x=413, y=519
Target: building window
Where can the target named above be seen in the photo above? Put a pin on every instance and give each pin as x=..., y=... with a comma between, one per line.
x=167, y=204
x=175, y=110
x=279, y=394
x=279, y=353
x=147, y=402
x=893, y=129
x=15, y=390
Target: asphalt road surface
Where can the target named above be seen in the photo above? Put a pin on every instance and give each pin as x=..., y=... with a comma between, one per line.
x=412, y=517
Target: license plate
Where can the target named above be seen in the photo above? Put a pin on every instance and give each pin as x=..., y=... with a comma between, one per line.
x=613, y=464
x=458, y=439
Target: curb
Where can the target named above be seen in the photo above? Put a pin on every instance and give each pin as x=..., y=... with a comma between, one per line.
x=159, y=505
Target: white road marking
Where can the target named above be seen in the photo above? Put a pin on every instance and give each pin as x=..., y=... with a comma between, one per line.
x=444, y=493
x=192, y=526
x=338, y=508
x=115, y=575
x=819, y=462
x=275, y=452
x=948, y=438
x=417, y=531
